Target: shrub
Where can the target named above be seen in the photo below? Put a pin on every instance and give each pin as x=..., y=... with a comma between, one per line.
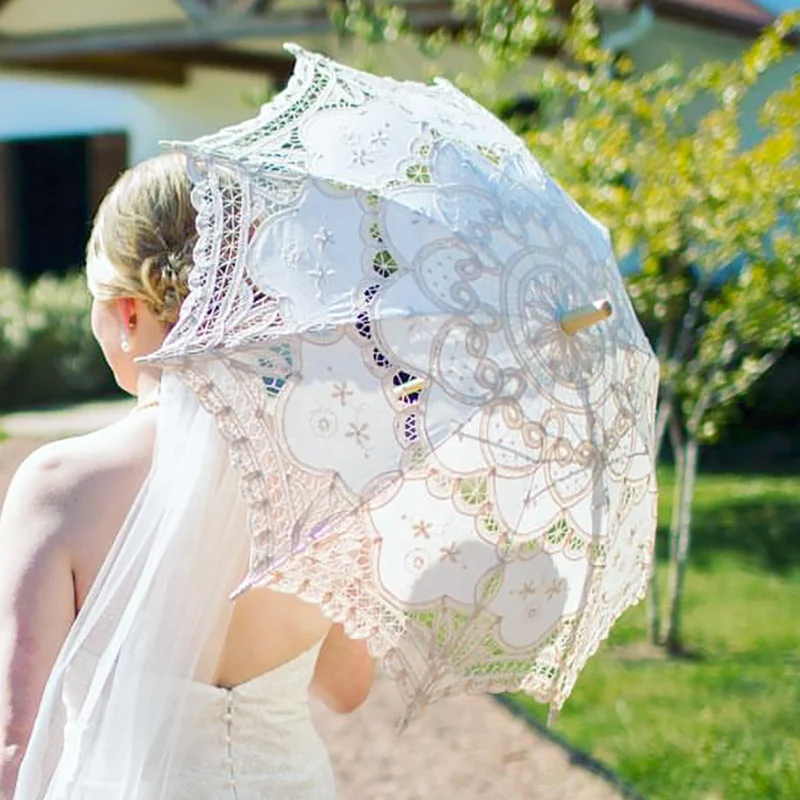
x=47, y=352
x=13, y=330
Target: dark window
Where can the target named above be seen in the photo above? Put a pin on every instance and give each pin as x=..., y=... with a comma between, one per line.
x=50, y=189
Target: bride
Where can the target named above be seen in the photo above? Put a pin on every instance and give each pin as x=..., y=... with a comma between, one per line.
x=87, y=520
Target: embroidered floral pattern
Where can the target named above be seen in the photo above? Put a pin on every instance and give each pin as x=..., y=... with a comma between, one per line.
x=426, y=453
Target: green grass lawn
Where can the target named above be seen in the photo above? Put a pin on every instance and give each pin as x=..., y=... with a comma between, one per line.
x=725, y=722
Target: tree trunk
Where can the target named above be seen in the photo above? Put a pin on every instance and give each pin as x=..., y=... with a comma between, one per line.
x=666, y=421
x=681, y=544
x=663, y=420
x=676, y=442
x=654, y=608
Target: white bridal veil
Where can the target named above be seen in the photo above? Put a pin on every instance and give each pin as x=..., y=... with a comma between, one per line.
x=112, y=710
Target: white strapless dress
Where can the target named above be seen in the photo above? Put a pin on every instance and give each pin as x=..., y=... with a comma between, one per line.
x=256, y=741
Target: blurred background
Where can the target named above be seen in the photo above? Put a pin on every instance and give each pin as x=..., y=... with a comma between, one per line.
x=676, y=123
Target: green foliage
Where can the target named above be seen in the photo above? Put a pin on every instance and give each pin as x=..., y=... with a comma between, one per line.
x=47, y=352
x=687, y=200
x=502, y=34
x=713, y=224
x=721, y=722
x=13, y=328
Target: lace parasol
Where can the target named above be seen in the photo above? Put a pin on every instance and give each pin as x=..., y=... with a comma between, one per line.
x=433, y=385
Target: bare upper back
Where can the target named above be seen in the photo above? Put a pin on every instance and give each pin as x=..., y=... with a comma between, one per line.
x=102, y=474
x=63, y=510
x=104, y=471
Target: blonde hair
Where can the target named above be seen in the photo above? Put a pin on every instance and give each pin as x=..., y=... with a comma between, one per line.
x=143, y=237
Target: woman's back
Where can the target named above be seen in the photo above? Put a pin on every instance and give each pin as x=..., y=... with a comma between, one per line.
x=59, y=537
x=255, y=741
x=247, y=732
x=107, y=470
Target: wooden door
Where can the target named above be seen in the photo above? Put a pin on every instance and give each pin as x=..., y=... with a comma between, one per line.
x=108, y=158
x=8, y=249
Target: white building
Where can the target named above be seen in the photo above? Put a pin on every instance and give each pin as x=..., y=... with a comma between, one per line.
x=89, y=86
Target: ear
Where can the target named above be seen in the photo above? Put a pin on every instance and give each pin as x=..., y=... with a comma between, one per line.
x=126, y=306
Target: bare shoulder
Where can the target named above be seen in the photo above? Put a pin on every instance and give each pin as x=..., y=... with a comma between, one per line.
x=57, y=488
x=62, y=511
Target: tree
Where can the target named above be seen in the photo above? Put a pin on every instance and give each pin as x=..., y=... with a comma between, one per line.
x=711, y=225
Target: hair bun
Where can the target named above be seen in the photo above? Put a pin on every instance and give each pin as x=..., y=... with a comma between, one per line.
x=165, y=282
x=146, y=229
x=170, y=271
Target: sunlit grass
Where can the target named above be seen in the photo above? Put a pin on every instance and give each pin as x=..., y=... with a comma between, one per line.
x=723, y=723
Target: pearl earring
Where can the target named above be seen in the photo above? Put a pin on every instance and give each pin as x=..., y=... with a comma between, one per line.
x=124, y=341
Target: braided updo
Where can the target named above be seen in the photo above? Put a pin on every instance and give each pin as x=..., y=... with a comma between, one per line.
x=143, y=237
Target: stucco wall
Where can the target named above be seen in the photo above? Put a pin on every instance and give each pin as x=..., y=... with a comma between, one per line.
x=692, y=46
x=33, y=106
x=39, y=105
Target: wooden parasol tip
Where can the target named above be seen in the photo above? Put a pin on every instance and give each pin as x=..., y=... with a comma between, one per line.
x=405, y=389
x=579, y=319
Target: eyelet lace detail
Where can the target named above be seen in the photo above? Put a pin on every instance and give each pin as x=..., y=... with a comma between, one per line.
x=272, y=289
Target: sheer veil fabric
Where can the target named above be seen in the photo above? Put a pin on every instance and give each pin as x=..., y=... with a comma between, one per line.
x=153, y=623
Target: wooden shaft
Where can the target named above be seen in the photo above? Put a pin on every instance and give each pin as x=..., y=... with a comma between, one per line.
x=579, y=319
x=405, y=389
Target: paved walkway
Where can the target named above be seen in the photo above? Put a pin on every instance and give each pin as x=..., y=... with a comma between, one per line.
x=469, y=748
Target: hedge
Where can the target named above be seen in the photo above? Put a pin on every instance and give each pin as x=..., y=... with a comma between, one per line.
x=48, y=355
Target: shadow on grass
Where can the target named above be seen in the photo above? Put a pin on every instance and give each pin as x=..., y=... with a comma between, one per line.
x=577, y=757
x=644, y=652
x=766, y=532
x=755, y=452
